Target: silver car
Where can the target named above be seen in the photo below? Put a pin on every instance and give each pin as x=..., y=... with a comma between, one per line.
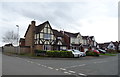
x=76, y=53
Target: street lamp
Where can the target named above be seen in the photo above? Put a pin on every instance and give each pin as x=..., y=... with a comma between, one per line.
x=17, y=34
x=18, y=38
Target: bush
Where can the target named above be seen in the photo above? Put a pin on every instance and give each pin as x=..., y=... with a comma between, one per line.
x=40, y=52
x=112, y=51
x=91, y=53
x=59, y=54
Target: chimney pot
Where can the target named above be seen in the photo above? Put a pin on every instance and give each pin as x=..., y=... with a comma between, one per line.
x=33, y=22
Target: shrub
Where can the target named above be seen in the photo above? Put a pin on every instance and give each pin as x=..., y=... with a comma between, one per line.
x=111, y=51
x=91, y=53
x=40, y=52
x=59, y=54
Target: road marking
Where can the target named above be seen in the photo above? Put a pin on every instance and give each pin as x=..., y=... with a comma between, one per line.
x=50, y=67
x=75, y=66
x=66, y=72
x=56, y=69
x=81, y=74
x=82, y=65
x=38, y=64
x=28, y=61
x=63, y=69
x=31, y=62
x=44, y=66
x=72, y=71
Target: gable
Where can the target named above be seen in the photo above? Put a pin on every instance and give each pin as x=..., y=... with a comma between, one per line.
x=46, y=29
x=59, y=43
x=111, y=46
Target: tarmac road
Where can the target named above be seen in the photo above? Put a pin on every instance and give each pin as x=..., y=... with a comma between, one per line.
x=103, y=65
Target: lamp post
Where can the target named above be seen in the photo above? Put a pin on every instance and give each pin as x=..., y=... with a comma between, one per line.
x=18, y=38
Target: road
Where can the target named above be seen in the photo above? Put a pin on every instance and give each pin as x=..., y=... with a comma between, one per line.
x=103, y=65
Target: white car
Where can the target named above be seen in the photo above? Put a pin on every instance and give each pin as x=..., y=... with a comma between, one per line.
x=76, y=53
x=102, y=51
x=83, y=54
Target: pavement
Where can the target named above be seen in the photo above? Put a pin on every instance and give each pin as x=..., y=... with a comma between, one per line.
x=103, y=65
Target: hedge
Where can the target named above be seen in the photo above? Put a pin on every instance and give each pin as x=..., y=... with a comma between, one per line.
x=65, y=54
x=91, y=53
x=112, y=51
x=40, y=52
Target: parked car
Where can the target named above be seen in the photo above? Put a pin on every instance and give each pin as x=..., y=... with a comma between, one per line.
x=83, y=54
x=102, y=51
x=76, y=53
x=96, y=51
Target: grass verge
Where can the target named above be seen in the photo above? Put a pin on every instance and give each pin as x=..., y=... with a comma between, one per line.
x=108, y=54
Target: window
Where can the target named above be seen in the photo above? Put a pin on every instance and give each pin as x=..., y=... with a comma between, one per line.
x=111, y=46
x=46, y=36
x=41, y=35
x=45, y=30
x=37, y=36
x=59, y=38
x=52, y=37
x=48, y=30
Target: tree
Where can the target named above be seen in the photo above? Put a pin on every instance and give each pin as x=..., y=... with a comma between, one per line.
x=10, y=37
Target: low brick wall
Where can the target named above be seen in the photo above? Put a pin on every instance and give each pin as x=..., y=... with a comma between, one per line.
x=22, y=49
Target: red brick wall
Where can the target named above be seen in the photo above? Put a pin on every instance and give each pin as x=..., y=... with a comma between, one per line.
x=29, y=39
x=39, y=47
x=67, y=41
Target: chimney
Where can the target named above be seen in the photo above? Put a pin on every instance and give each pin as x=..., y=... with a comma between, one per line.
x=33, y=22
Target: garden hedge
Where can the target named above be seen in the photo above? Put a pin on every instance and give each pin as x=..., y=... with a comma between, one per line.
x=40, y=52
x=91, y=53
x=64, y=54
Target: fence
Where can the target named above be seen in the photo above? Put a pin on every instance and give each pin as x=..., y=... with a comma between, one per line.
x=23, y=49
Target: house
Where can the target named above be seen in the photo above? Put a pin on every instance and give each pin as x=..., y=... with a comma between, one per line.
x=73, y=40
x=43, y=37
x=89, y=43
x=22, y=42
x=110, y=45
x=9, y=45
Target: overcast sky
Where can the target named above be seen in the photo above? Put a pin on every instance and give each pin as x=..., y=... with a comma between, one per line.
x=97, y=18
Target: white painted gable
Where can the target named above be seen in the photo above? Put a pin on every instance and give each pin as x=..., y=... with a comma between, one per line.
x=111, y=46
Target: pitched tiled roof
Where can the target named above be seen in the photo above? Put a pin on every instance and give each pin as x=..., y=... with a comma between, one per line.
x=27, y=30
x=71, y=34
x=91, y=37
x=85, y=37
x=41, y=26
x=107, y=43
x=57, y=33
x=22, y=39
x=116, y=43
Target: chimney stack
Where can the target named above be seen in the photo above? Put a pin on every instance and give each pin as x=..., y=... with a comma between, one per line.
x=33, y=22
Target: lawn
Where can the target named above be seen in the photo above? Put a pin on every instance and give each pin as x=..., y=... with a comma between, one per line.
x=108, y=54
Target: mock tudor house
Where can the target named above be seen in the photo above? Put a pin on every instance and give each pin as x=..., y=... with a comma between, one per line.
x=73, y=40
x=89, y=43
x=43, y=37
